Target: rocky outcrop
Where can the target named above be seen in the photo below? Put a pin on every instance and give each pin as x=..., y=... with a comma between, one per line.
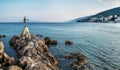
x=33, y=53
x=68, y=42
x=81, y=62
x=49, y=42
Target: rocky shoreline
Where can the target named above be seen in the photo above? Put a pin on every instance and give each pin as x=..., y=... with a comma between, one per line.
x=6, y=62
x=33, y=54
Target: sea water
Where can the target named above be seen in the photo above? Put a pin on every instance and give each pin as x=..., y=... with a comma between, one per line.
x=99, y=42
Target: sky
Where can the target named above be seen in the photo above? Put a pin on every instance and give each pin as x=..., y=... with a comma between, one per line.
x=52, y=10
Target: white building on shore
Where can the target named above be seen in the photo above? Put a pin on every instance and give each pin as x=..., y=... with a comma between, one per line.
x=117, y=20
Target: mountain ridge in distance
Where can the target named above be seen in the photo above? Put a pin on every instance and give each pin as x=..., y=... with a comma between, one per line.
x=111, y=15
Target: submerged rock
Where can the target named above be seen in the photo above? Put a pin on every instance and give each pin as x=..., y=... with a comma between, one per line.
x=73, y=55
x=68, y=42
x=53, y=42
x=38, y=35
x=2, y=36
x=81, y=62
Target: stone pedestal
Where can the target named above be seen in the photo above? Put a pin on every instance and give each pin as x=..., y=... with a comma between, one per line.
x=25, y=33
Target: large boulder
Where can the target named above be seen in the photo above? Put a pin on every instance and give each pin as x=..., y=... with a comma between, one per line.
x=9, y=60
x=13, y=40
x=53, y=42
x=48, y=41
x=68, y=42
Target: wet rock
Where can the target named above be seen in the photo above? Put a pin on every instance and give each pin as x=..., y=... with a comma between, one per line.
x=52, y=59
x=81, y=62
x=68, y=42
x=2, y=36
x=87, y=66
x=17, y=42
x=5, y=60
x=53, y=42
x=38, y=35
x=48, y=41
x=9, y=60
x=72, y=55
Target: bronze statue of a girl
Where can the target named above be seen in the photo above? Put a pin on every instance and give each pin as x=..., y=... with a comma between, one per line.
x=25, y=20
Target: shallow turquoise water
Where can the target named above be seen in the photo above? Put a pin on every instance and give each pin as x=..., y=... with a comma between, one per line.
x=99, y=42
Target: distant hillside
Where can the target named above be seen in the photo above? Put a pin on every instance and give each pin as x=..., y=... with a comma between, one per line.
x=81, y=18
x=112, y=15
x=114, y=11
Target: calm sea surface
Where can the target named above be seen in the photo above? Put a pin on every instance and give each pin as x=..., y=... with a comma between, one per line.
x=99, y=42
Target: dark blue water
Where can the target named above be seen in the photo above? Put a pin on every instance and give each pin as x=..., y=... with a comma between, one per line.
x=99, y=42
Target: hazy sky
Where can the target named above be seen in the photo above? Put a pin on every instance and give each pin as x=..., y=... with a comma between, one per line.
x=52, y=10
